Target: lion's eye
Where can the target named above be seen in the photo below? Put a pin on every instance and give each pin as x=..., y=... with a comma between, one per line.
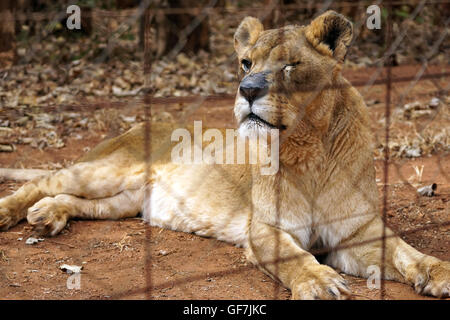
x=246, y=65
x=290, y=66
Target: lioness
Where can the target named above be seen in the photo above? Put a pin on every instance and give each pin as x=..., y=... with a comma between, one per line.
x=324, y=194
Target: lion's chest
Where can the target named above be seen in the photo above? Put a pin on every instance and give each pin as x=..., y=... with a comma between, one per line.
x=287, y=206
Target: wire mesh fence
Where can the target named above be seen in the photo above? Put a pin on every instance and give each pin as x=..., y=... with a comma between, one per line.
x=386, y=79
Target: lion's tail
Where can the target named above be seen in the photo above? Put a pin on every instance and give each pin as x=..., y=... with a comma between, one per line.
x=22, y=174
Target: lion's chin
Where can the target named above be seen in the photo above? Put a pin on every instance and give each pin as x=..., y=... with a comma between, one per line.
x=253, y=124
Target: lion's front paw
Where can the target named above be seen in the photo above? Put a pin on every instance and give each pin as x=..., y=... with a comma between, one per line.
x=320, y=282
x=434, y=279
x=48, y=216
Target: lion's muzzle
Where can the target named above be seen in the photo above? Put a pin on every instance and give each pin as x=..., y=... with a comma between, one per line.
x=254, y=86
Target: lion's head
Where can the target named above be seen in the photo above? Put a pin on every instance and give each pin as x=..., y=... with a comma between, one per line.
x=287, y=74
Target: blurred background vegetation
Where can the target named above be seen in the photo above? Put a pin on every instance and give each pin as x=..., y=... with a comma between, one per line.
x=192, y=48
x=44, y=66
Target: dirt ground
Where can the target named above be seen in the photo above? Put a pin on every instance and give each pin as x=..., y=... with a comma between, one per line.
x=119, y=261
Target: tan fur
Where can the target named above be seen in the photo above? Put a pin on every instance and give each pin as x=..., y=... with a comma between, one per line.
x=324, y=194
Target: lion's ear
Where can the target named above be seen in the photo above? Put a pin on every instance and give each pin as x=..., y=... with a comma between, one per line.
x=246, y=34
x=330, y=33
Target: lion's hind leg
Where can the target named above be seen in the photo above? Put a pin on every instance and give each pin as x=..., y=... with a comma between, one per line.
x=50, y=215
x=91, y=180
x=13, y=207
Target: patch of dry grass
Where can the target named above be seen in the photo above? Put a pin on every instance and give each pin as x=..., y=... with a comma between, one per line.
x=417, y=129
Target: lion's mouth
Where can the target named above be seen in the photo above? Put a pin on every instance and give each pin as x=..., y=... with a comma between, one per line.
x=261, y=122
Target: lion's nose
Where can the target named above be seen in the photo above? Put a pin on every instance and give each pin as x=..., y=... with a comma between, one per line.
x=249, y=93
x=253, y=86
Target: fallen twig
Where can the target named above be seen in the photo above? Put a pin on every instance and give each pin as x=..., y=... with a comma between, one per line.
x=61, y=243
